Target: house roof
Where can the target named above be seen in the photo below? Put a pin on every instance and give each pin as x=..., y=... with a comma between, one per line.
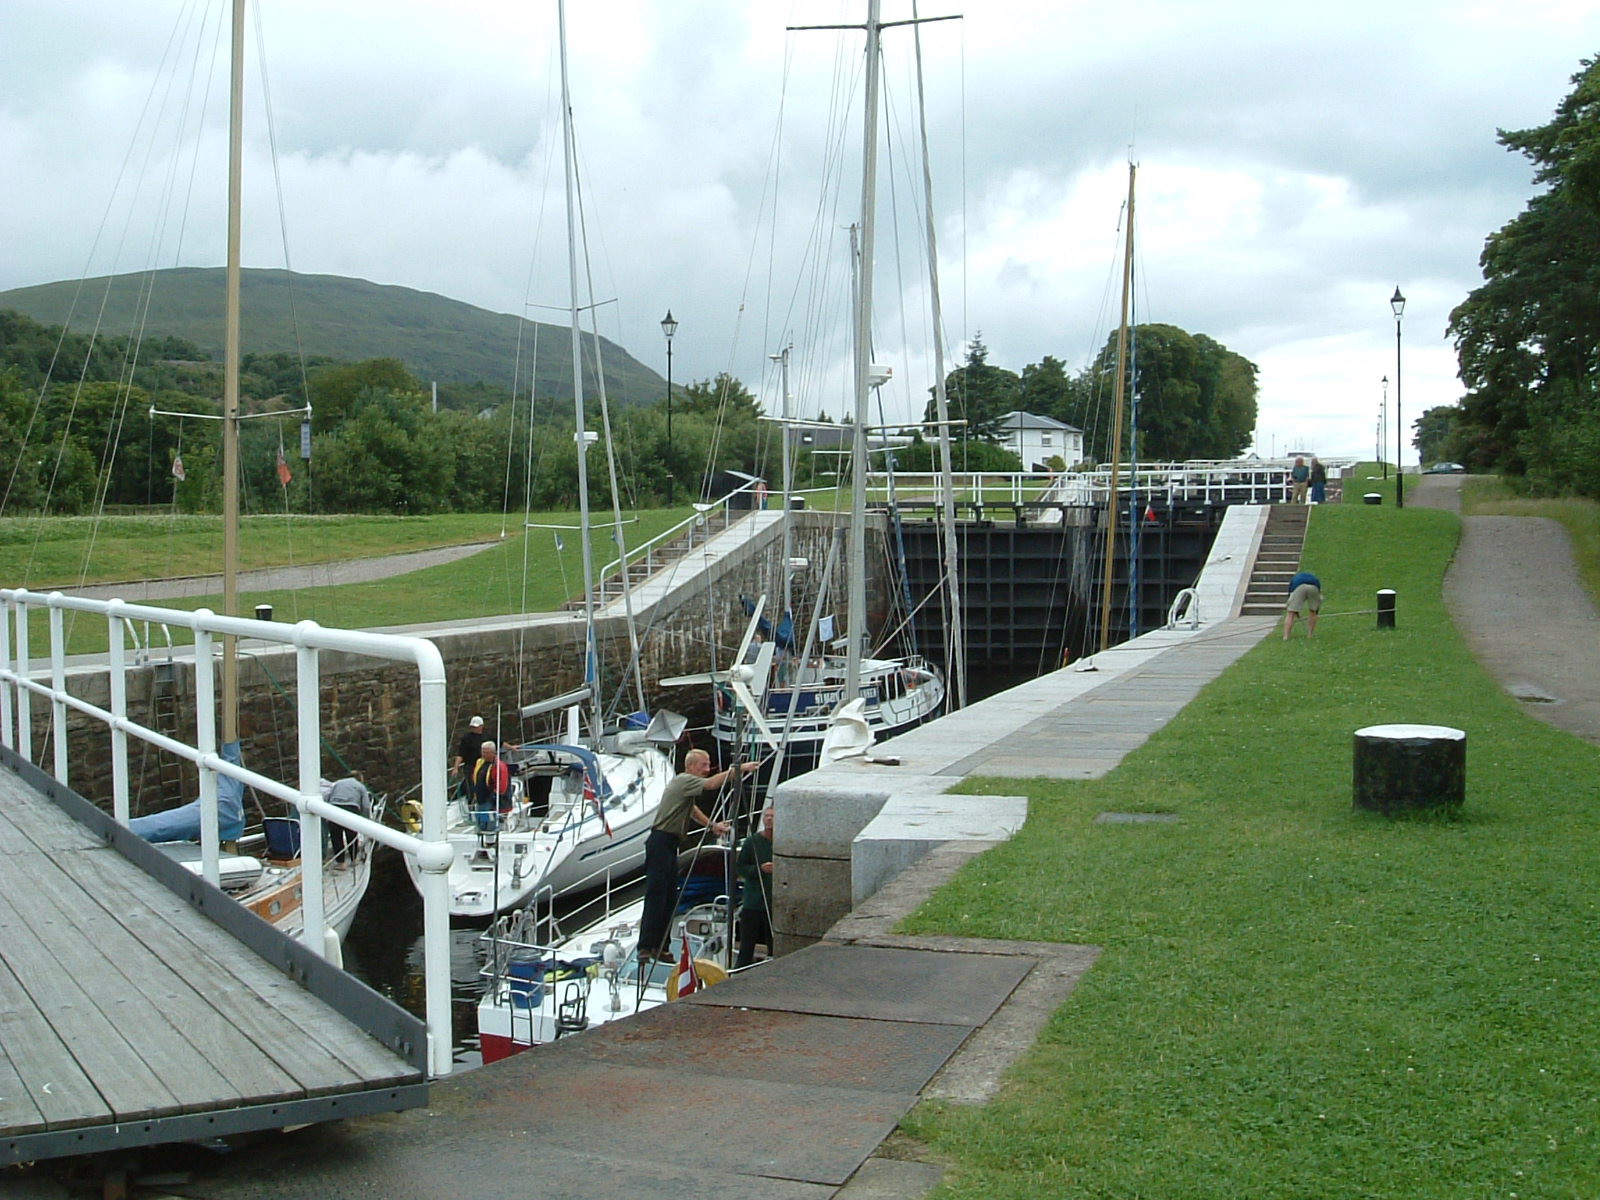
x=1021, y=420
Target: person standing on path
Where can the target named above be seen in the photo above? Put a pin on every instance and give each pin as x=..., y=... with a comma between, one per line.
x=755, y=906
x=1319, y=481
x=679, y=803
x=468, y=746
x=1299, y=476
x=1305, y=596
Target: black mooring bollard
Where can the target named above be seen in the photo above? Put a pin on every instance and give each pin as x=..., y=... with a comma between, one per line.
x=1386, y=608
x=263, y=612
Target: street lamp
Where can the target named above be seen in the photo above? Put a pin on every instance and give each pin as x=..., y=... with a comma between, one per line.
x=1397, y=302
x=669, y=327
x=1383, y=428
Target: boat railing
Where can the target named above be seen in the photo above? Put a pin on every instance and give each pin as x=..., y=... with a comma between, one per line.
x=20, y=683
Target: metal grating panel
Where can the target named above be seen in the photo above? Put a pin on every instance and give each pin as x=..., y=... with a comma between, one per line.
x=877, y=982
x=784, y=1047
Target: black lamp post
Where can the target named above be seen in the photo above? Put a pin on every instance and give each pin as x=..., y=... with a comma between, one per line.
x=1383, y=428
x=1397, y=302
x=669, y=327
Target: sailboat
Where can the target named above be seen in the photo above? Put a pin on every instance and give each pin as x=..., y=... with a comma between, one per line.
x=837, y=700
x=272, y=885
x=540, y=984
x=580, y=806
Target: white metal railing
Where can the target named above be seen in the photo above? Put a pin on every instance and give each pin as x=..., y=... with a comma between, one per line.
x=651, y=554
x=1252, y=481
x=19, y=684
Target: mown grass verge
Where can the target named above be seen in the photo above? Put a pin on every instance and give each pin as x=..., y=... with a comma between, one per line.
x=526, y=571
x=1295, y=999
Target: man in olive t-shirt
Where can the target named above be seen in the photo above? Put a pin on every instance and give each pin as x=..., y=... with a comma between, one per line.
x=679, y=804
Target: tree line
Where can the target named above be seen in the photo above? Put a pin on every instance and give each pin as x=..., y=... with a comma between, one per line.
x=1528, y=339
x=1189, y=396
x=77, y=412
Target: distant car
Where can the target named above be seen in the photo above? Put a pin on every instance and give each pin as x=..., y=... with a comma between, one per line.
x=1445, y=469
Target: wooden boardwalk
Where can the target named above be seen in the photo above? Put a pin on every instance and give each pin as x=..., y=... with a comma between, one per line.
x=131, y=1014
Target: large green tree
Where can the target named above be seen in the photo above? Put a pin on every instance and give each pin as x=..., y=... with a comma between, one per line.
x=1528, y=339
x=978, y=393
x=1193, y=397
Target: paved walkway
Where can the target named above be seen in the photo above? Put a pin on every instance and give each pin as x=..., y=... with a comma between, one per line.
x=327, y=574
x=1515, y=595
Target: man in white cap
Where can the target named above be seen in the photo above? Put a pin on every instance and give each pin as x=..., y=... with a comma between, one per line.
x=468, y=747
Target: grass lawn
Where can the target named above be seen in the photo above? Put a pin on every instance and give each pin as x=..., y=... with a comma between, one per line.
x=1295, y=999
x=523, y=572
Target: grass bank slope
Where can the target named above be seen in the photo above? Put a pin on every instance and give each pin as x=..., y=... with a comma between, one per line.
x=1296, y=999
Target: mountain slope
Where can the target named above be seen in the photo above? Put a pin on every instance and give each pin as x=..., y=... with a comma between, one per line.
x=436, y=337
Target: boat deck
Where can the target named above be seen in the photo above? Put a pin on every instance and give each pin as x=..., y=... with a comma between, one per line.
x=131, y=1014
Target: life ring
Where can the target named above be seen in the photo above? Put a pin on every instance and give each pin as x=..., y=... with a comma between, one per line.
x=708, y=971
x=410, y=813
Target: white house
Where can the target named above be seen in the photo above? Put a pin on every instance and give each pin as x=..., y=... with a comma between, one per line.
x=1036, y=440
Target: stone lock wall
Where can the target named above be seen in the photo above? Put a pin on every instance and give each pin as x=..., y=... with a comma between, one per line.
x=371, y=708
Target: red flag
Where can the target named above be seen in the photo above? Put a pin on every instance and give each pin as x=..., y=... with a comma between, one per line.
x=1150, y=513
x=177, y=469
x=284, y=476
x=688, y=979
x=599, y=808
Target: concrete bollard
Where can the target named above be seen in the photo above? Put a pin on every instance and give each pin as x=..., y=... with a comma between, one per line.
x=1400, y=769
x=1386, y=608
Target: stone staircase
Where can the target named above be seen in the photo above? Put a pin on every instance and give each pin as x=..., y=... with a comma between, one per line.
x=658, y=557
x=1277, y=559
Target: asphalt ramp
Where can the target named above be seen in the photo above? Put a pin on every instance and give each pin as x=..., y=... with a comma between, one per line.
x=777, y=1083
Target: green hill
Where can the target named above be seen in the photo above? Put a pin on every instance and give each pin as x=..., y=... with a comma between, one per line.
x=436, y=337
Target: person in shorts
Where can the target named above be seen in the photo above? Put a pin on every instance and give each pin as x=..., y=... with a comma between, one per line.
x=1305, y=596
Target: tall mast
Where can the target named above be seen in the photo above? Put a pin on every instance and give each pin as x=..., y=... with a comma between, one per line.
x=788, y=482
x=857, y=614
x=230, y=385
x=1119, y=391
x=591, y=660
x=957, y=663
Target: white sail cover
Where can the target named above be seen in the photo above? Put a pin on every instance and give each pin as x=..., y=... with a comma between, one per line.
x=849, y=735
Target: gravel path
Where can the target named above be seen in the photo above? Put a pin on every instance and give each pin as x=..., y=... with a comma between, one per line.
x=353, y=570
x=1515, y=595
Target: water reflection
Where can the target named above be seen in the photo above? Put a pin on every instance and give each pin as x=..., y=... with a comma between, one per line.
x=385, y=951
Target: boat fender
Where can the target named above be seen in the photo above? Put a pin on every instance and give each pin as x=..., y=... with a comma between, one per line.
x=709, y=972
x=332, y=950
x=411, y=815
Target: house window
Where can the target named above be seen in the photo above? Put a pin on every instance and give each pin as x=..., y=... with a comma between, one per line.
x=1044, y=439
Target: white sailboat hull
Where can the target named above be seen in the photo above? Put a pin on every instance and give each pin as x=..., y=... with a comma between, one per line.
x=557, y=846
x=900, y=694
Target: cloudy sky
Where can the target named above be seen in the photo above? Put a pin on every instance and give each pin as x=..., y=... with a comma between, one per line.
x=1294, y=167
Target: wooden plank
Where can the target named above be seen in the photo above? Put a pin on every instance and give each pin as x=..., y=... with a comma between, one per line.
x=201, y=1058
x=315, y=1045
x=12, y=839
x=52, y=1089
x=37, y=818
x=38, y=948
